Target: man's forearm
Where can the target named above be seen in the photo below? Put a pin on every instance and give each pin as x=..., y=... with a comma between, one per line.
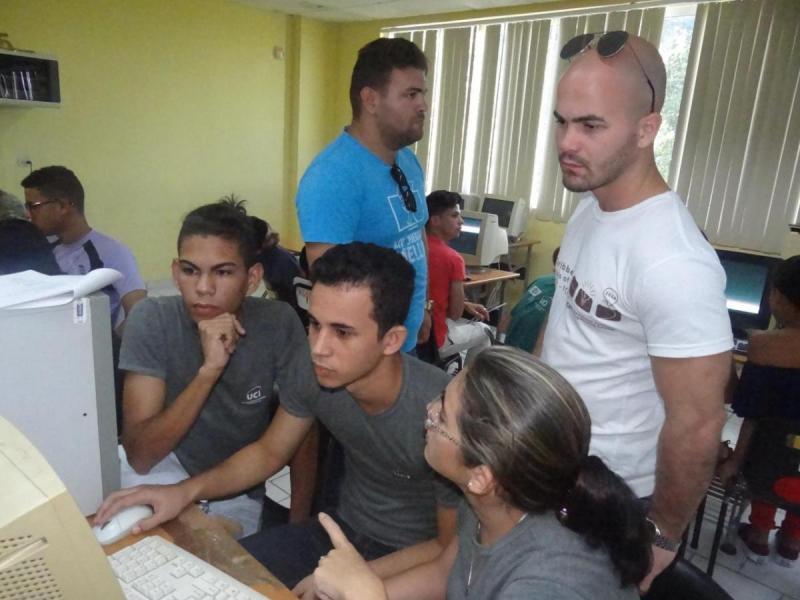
x=686, y=460
x=150, y=441
x=404, y=559
x=303, y=476
x=248, y=467
x=426, y=581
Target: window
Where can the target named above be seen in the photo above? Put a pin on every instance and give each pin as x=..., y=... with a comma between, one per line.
x=492, y=98
x=730, y=138
x=676, y=40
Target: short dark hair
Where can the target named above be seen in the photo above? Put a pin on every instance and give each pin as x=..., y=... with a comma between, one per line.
x=375, y=63
x=441, y=200
x=389, y=276
x=786, y=279
x=23, y=247
x=260, y=229
x=226, y=219
x=56, y=182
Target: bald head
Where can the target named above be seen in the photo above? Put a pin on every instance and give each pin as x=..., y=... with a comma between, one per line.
x=605, y=128
x=623, y=75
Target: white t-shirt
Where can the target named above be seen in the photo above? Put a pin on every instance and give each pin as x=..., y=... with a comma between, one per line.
x=631, y=284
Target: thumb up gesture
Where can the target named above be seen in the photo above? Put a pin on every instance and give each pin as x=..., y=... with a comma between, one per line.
x=342, y=574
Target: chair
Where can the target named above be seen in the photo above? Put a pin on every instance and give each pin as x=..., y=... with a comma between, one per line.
x=683, y=581
x=774, y=453
x=733, y=501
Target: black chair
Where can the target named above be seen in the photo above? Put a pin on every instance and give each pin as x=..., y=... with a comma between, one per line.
x=732, y=502
x=683, y=581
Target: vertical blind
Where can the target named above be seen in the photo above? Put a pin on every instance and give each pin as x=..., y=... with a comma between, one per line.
x=737, y=148
x=735, y=159
x=486, y=84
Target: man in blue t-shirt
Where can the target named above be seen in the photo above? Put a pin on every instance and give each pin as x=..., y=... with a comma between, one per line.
x=367, y=186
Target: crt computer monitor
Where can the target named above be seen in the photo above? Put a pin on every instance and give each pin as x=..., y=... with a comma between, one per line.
x=482, y=240
x=747, y=289
x=511, y=213
x=47, y=549
x=471, y=201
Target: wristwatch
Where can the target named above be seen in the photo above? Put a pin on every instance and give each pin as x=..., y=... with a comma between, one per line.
x=429, y=304
x=660, y=540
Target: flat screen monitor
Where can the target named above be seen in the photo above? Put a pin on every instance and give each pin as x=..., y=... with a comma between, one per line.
x=482, y=241
x=511, y=213
x=747, y=289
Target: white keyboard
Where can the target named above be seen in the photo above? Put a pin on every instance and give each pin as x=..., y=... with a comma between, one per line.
x=155, y=569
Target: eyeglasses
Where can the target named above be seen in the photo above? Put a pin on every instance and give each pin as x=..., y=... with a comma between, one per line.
x=434, y=420
x=399, y=177
x=609, y=44
x=32, y=206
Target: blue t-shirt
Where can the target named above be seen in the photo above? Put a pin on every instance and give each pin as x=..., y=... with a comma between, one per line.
x=347, y=194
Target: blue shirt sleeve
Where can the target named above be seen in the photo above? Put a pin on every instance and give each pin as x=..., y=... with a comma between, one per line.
x=327, y=203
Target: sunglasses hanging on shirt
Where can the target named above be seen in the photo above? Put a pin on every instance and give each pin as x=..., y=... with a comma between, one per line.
x=609, y=44
x=399, y=177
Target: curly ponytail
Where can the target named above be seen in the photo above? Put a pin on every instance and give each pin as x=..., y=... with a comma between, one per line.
x=604, y=510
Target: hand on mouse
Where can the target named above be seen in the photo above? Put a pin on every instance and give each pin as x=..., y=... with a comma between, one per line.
x=167, y=502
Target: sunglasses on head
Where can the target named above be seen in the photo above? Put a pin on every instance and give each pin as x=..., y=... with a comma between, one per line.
x=609, y=44
x=399, y=177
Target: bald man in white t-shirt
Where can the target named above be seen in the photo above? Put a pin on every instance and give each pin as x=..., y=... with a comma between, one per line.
x=638, y=322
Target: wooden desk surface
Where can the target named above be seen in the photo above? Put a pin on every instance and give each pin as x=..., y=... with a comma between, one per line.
x=523, y=243
x=488, y=276
x=193, y=531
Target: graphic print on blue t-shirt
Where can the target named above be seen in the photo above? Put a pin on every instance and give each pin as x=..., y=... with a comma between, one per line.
x=404, y=218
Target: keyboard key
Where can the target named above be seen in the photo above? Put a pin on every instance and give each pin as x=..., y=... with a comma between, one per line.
x=155, y=569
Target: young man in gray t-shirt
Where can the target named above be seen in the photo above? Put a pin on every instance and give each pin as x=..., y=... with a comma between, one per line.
x=374, y=404
x=200, y=367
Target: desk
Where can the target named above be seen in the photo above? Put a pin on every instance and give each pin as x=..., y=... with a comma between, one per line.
x=193, y=531
x=487, y=276
x=497, y=279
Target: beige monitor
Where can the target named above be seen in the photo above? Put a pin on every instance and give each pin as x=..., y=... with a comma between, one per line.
x=47, y=549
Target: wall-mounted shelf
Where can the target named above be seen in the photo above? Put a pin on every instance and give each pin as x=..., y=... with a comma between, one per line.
x=28, y=79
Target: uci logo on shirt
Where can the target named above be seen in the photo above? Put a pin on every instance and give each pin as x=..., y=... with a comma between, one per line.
x=254, y=396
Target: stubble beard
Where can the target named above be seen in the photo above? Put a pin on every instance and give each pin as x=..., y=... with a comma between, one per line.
x=606, y=173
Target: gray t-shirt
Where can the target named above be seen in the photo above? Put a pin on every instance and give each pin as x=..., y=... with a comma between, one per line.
x=161, y=340
x=539, y=558
x=389, y=492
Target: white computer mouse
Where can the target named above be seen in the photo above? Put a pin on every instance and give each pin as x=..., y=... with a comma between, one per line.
x=121, y=524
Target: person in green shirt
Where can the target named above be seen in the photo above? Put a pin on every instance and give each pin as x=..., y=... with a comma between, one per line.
x=530, y=313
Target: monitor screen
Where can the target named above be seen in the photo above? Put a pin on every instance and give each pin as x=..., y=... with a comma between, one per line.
x=747, y=288
x=745, y=285
x=499, y=207
x=467, y=242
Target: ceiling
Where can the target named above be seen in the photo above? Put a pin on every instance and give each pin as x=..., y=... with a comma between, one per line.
x=365, y=10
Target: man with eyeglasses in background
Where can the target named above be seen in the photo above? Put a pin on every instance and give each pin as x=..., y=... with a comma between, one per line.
x=54, y=199
x=638, y=323
x=367, y=185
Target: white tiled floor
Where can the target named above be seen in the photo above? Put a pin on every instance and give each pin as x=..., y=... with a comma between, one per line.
x=279, y=488
x=742, y=578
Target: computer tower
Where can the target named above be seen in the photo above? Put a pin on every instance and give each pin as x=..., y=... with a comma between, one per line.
x=56, y=369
